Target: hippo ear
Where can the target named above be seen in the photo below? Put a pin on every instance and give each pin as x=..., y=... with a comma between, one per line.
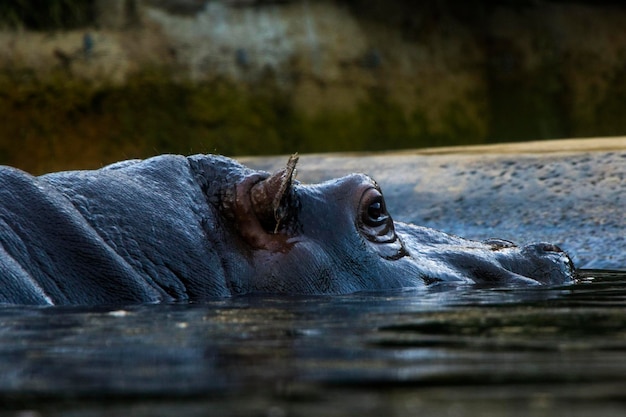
x=260, y=205
x=269, y=197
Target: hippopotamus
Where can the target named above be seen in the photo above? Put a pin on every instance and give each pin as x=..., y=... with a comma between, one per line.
x=176, y=228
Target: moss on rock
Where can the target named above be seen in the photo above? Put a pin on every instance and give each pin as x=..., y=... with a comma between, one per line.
x=60, y=122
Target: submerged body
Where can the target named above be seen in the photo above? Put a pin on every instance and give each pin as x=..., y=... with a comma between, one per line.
x=174, y=228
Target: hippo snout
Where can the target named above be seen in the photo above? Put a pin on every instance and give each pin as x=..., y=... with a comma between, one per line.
x=496, y=262
x=548, y=263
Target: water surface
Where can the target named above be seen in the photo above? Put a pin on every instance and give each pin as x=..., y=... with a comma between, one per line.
x=443, y=351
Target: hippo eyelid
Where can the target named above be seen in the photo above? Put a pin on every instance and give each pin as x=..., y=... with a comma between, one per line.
x=372, y=218
x=372, y=210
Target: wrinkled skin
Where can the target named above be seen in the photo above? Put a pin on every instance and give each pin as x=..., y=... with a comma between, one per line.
x=174, y=228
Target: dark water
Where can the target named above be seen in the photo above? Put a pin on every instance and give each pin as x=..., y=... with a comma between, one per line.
x=458, y=352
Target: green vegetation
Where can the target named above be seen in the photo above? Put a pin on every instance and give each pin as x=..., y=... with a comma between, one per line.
x=63, y=123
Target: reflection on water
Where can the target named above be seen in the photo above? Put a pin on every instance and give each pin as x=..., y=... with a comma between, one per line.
x=463, y=351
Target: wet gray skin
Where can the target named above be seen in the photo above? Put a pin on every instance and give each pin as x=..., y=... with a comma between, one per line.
x=341, y=229
x=174, y=228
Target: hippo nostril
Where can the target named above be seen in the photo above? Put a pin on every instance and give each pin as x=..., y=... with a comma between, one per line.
x=497, y=244
x=549, y=247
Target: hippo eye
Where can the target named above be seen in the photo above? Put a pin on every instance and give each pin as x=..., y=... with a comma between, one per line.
x=376, y=225
x=375, y=222
x=375, y=213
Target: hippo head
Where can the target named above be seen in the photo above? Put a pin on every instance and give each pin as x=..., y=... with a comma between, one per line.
x=337, y=237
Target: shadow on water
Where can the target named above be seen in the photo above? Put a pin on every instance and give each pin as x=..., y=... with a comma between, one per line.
x=441, y=351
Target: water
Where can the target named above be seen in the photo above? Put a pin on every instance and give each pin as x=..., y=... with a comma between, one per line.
x=458, y=352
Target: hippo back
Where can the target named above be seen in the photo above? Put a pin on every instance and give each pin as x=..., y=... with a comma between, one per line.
x=138, y=231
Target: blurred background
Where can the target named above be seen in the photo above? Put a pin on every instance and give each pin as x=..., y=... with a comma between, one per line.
x=88, y=82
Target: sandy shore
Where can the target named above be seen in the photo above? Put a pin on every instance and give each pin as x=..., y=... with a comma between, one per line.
x=570, y=192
